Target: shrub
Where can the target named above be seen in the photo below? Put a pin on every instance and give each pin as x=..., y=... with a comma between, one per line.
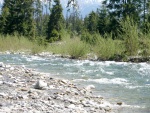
x=107, y=48
x=144, y=47
x=76, y=48
x=130, y=34
x=90, y=38
x=55, y=36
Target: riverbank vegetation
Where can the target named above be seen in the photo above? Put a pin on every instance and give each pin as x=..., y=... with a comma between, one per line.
x=110, y=33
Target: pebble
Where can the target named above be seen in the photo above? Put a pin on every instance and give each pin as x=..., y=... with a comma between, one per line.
x=19, y=94
x=3, y=94
x=72, y=106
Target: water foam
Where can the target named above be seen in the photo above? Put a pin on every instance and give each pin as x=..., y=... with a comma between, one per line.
x=120, y=81
x=136, y=87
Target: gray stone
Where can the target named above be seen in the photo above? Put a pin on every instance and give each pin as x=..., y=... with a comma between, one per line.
x=40, y=85
x=107, y=108
x=2, y=64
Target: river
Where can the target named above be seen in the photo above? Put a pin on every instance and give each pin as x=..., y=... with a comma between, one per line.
x=115, y=81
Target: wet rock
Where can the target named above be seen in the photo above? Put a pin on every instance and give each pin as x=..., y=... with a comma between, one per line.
x=119, y=103
x=24, y=89
x=40, y=85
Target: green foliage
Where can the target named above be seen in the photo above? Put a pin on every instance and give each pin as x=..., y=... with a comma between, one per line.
x=14, y=43
x=17, y=43
x=123, y=8
x=145, y=47
x=92, y=22
x=77, y=48
x=55, y=23
x=17, y=16
x=103, y=21
x=130, y=34
x=74, y=24
x=90, y=38
x=106, y=48
x=41, y=41
x=73, y=47
x=55, y=36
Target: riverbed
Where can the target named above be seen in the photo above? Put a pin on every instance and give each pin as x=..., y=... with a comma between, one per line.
x=116, y=81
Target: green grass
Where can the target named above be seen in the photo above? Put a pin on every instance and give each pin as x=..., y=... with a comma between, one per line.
x=73, y=47
x=106, y=48
x=76, y=48
x=133, y=43
x=15, y=43
x=130, y=34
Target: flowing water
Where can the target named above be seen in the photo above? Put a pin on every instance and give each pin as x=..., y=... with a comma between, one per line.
x=116, y=81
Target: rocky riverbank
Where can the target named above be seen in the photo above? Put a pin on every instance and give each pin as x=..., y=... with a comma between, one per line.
x=24, y=90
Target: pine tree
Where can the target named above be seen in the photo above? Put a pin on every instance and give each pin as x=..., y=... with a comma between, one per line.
x=123, y=8
x=103, y=21
x=56, y=22
x=17, y=16
x=120, y=10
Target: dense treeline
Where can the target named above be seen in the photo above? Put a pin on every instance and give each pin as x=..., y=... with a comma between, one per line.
x=117, y=28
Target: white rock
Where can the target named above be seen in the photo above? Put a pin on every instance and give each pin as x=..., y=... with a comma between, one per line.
x=8, y=66
x=40, y=85
x=1, y=82
x=71, y=106
x=3, y=94
x=7, y=52
x=2, y=64
x=12, y=68
x=24, y=96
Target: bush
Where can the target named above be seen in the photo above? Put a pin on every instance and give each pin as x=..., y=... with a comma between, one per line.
x=14, y=43
x=90, y=38
x=130, y=34
x=107, y=48
x=55, y=36
x=144, y=47
x=76, y=48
